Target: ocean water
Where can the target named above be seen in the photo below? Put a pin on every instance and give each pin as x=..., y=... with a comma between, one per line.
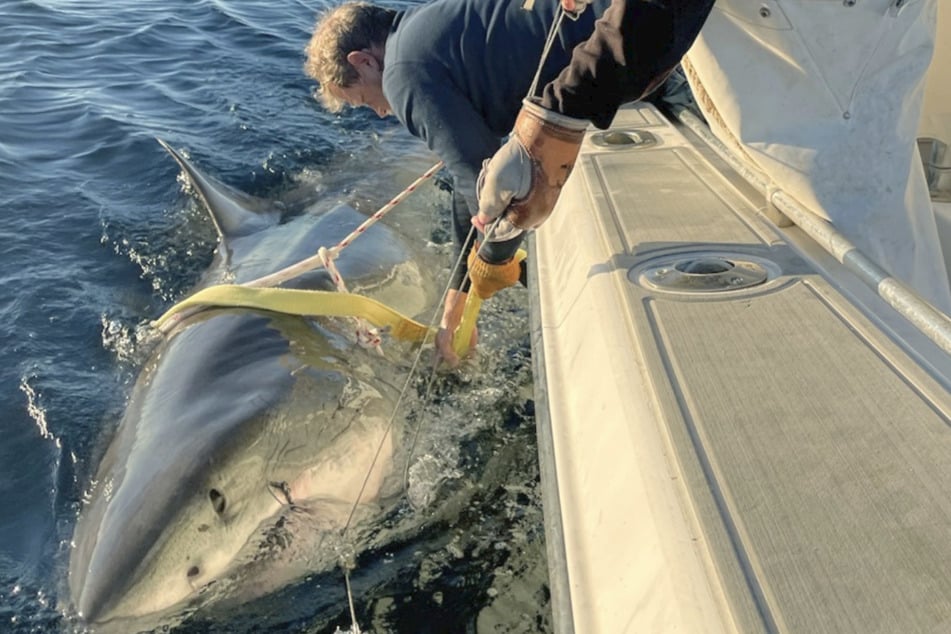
x=98, y=238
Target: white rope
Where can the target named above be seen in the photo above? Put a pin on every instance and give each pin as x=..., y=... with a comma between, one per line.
x=367, y=335
x=402, y=394
x=560, y=16
x=354, y=626
x=313, y=262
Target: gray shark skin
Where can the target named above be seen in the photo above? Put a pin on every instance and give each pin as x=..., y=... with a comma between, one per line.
x=248, y=434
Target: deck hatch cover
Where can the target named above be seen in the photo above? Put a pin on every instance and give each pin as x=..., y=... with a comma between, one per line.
x=624, y=139
x=703, y=273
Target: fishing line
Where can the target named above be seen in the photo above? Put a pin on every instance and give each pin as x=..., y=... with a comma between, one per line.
x=345, y=565
x=406, y=384
x=490, y=230
x=552, y=32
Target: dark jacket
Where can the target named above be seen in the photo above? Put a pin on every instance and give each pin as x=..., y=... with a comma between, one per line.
x=634, y=46
x=455, y=73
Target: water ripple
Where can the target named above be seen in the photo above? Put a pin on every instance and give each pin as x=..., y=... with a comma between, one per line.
x=97, y=238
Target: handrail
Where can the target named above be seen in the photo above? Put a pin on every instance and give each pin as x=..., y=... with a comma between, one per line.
x=930, y=321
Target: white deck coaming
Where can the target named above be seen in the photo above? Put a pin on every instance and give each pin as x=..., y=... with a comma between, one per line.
x=622, y=490
x=611, y=349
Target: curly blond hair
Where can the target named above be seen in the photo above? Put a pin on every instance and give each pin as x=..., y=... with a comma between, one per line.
x=352, y=26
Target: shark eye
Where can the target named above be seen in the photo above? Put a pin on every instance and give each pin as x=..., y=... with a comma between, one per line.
x=217, y=500
x=193, y=572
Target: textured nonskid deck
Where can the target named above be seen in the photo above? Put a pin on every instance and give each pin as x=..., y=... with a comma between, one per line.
x=766, y=458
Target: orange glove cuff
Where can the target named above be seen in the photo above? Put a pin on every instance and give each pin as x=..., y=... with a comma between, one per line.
x=487, y=279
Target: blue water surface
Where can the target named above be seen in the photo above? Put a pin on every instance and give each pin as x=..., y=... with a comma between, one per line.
x=97, y=238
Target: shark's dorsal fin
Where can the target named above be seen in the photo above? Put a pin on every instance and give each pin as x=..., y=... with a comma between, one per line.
x=234, y=213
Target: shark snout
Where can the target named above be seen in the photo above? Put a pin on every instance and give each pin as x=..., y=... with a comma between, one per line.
x=95, y=596
x=90, y=607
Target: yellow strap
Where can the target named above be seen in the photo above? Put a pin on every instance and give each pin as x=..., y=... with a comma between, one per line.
x=303, y=302
x=463, y=334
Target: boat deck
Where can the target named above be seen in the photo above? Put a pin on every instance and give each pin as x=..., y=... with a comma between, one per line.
x=736, y=434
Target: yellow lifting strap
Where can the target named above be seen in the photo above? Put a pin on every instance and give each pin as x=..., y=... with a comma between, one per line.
x=470, y=314
x=305, y=303
x=463, y=334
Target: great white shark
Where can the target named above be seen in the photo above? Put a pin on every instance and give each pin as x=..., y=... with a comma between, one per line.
x=248, y=435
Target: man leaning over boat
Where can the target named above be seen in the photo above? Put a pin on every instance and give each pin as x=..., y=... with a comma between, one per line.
x=832, y=126
x=457, y=74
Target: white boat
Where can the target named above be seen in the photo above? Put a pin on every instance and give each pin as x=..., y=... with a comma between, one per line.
x=742, y=398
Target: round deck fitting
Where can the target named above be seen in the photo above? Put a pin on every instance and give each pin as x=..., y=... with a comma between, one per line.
x=703, y=273
x=624, y=139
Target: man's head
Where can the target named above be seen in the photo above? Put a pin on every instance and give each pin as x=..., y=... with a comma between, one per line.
x=345, y=56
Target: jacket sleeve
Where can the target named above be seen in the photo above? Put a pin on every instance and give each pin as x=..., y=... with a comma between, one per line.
x=635, y=44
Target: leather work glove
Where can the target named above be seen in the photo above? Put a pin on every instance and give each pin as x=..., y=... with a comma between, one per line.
x=523, y=179
x=487, y=279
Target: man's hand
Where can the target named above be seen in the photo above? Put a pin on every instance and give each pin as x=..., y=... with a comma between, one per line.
x=451, y=317
x=574, y=8
x=505, y=177
x=523, y=179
